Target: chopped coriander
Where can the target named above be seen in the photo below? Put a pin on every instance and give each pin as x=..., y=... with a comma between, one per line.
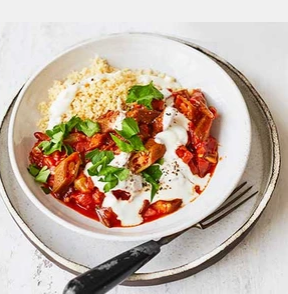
x=88, y=127
x=108, y=178
x=46, y=190
x=107, y=173
x=72, y=123
x=69, y=150
x=100, y=160
x=123, y=146
x=40, y=175
x=43, y=175
x=110, y=185
x=152, y=175
x=93, y=170
x=136, y=143
x=56, y=129
x=160, y=161
x=129, y=131
x=33, y=170
x=61, y=131
x=92, y=153
x=154, y=171
x=123, y=174
x=108, y=170
x=129, y=128
x=96, y=156
x=144, y=95
x=154, y=184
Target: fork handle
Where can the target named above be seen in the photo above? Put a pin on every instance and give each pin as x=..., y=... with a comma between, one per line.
x=109, y=274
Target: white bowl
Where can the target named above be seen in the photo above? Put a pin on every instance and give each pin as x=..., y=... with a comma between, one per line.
x=193, y=70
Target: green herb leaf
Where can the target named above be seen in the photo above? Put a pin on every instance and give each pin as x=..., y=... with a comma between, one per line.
x=43, y=175
x=154, y=171
x=57, y=134
x=152, y=175
x=109, y=178
x=144, y=95
x=107, y=173
x=160, y=161
x=33, y=170
x=99, y=158
x=136, y=143
x=61, y=131
x=109, y=170
x=123, y=174
x=50, y=146
x=45, y=190
x=92, y=153
x=57, y=137
x=93, y=170
x=45, y=145
x=96, y=156
x=123, y=146
x=129, y=131
x=72, y=123
x=69, y=150
x=88, y=127
x=154, y=184
x=56, y=129
x=110, y=185
x=129, y=128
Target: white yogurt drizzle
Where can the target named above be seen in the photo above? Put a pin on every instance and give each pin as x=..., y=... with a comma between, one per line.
x=176, y=181
x=162, y=83
x=62, y=103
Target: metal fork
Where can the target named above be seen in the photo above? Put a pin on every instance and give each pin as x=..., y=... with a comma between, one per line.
x=109, y=274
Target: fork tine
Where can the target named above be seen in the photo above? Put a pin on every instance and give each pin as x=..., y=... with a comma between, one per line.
x=204, y=226
x=226, y=205
x=237, y=189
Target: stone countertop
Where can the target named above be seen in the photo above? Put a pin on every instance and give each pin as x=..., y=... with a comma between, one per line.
x=260, y=263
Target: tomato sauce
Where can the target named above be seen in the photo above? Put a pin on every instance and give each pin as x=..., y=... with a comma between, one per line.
x=69, y=185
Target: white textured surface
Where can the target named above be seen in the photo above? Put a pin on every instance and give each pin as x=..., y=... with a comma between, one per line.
x=259, y=264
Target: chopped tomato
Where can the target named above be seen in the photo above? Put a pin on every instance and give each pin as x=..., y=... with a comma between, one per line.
x=122, y=195
x=108, y=217
x=158, y=104
x=203, y=167
x=161, y=208
x=41, y=136
x=84, y=200
x=184, y=106
x=98, y=197
x=184, y=154
x=69, y=182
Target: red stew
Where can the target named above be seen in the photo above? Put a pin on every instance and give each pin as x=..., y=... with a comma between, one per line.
x=68, y=183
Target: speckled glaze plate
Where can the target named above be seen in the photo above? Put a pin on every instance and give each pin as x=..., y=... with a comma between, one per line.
x=188, y=254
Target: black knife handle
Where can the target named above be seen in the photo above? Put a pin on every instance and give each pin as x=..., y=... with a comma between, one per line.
x=109, y=274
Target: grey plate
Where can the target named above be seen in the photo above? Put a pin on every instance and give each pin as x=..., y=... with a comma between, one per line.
x=200, y=248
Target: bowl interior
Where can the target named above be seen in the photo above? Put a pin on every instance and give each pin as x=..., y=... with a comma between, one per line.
x=137, y=51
